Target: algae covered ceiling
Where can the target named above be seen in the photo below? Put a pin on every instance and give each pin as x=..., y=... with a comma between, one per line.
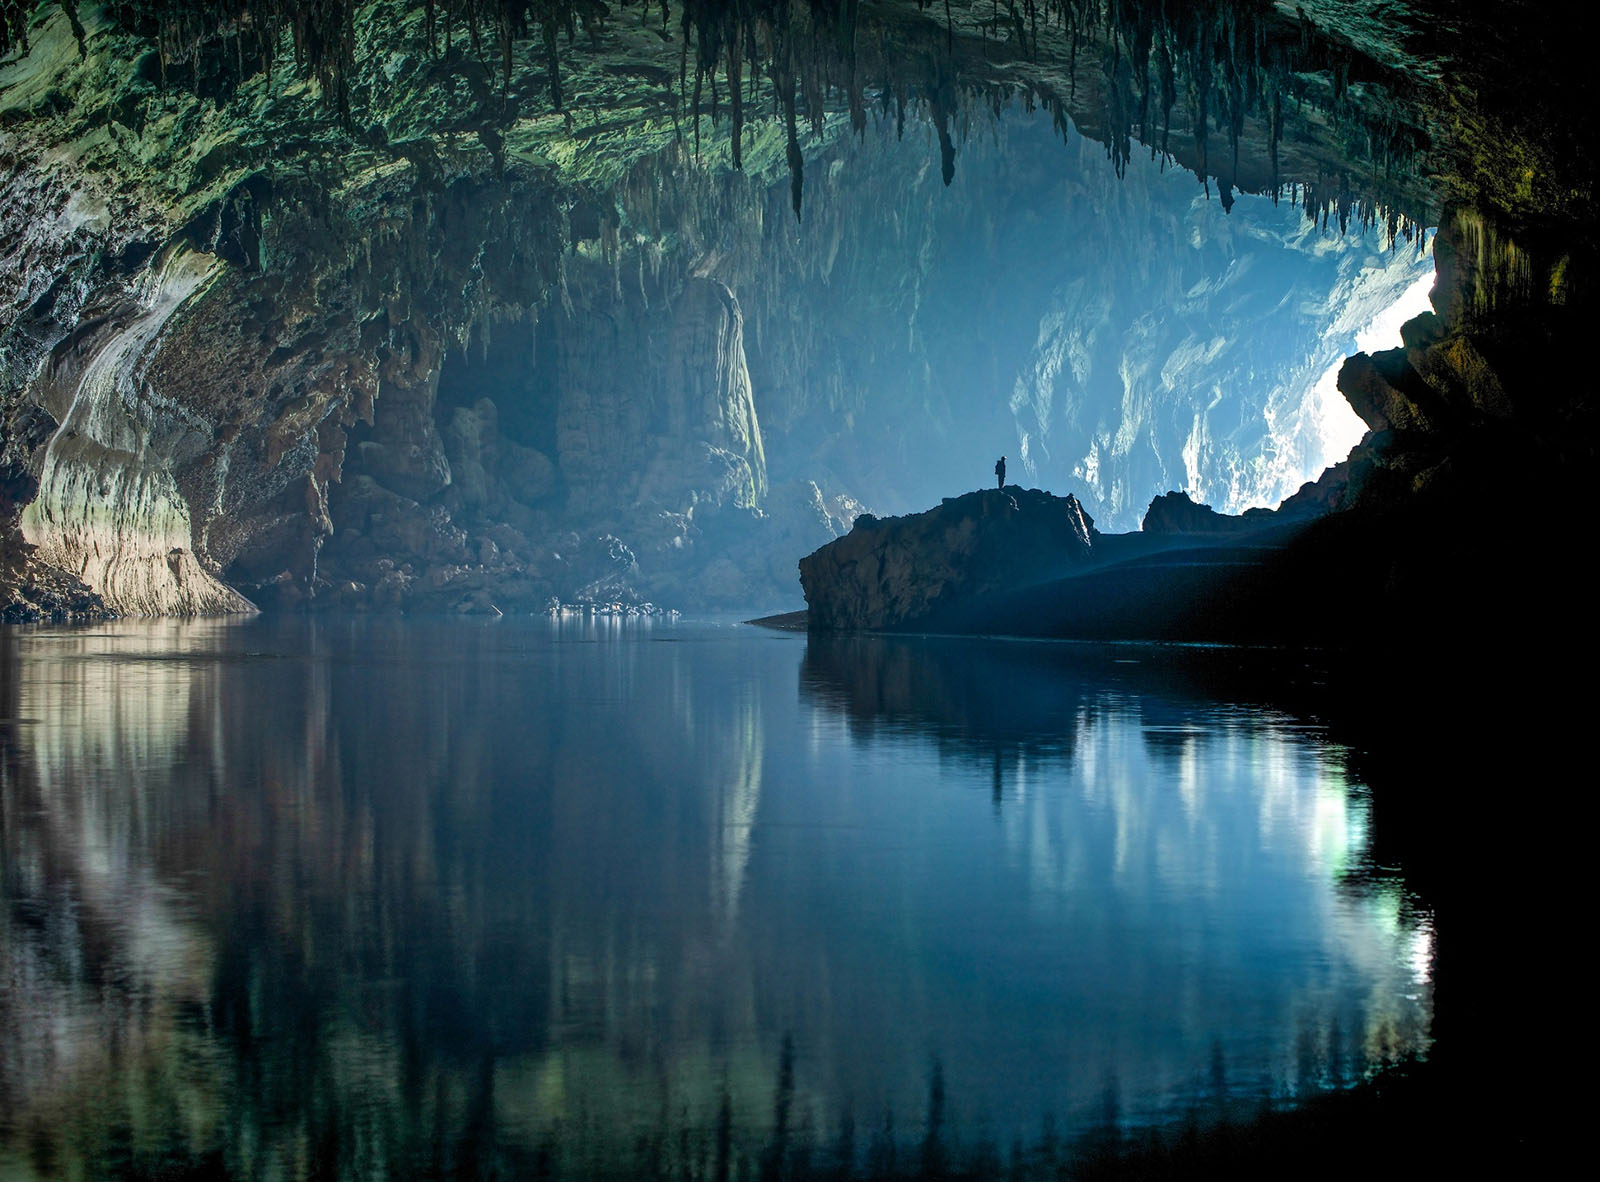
x=1254, y=95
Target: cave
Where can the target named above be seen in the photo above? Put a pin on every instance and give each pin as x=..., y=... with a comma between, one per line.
x=416, y=344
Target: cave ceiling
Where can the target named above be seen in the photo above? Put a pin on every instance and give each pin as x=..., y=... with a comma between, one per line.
x=1252, y=95
x=1392, y=111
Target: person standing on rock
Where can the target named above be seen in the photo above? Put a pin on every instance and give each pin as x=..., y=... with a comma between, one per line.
x=1000, y=472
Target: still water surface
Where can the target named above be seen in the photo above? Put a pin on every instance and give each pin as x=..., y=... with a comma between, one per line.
x=385, y=898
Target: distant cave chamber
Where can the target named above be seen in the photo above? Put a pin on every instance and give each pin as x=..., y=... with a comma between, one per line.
x=595, y=453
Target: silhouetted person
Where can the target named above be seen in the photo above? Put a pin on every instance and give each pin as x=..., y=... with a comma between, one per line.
x=1000, y=472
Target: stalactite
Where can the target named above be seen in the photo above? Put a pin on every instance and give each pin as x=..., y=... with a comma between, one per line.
x=1237, y=62
x=14, y=26
x=735, y=99
x=941, y=105
x=1200, y=104
x=1169, y=89
x=1275, y=123
x=553, y=62
x=1117, y=110
x=694, y=112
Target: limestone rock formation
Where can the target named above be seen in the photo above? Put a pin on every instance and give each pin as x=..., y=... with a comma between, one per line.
x=108, y=507
x=904, y=573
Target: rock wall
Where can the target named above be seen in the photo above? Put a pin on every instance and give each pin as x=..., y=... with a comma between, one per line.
x=107, y=507
x=1486, y=390
x=609, y=450
x=645, y=394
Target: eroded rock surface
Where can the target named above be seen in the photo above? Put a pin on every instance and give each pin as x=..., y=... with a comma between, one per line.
x=108, y=508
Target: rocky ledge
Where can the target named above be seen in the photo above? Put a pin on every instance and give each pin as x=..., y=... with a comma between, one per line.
x=1026, y=563
x=33, y=591
x=914, y=572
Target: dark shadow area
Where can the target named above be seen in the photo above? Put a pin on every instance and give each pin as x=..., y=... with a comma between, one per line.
x=1471, y=761
x=1418, y=574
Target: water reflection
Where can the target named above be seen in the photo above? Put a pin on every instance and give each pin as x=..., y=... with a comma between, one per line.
x=387, y=897
x=1207, y=856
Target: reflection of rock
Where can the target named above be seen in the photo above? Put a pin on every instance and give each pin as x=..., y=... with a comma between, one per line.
x=103, y=957
x=907, y=572
x=734, y=808
x=593, y=849
x=975, y=698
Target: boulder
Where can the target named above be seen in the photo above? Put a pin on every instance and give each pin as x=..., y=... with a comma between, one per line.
x=918, y=571
x=1176, y=513
x=527, y=475
x=1386, y=391
x=469, y=446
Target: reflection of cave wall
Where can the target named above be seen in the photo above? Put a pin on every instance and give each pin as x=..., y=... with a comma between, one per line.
x=409, y=888
x=281, y=927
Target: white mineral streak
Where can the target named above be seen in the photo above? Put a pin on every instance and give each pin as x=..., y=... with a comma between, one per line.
x=108, y=509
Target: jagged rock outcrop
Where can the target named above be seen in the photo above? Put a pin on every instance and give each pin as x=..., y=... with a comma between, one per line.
x=903, y=573
x=1177, y=513
x=33, y=591
x=1440, y=381
x=108, y=508
x=1386, y=392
